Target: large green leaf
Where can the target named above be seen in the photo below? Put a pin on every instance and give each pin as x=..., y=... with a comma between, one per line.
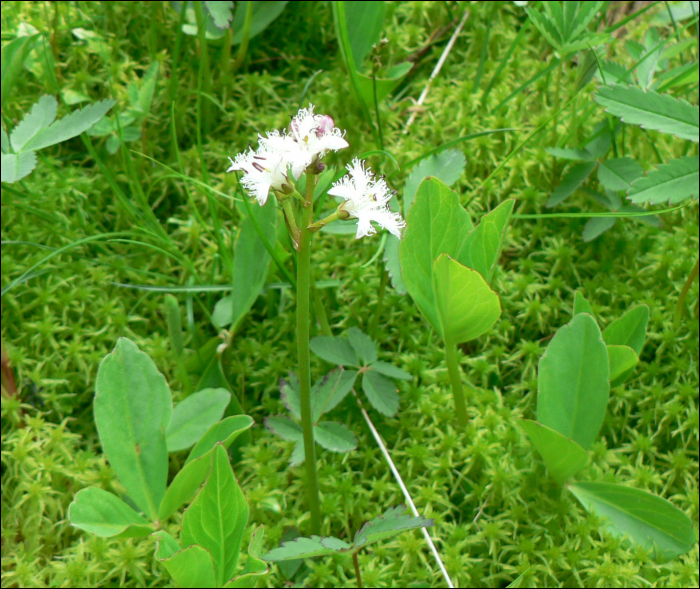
x=563, y=457
x=437, y=224
x=392, y=522
x=133, y=406
x=326, y=392
x=596, y=226
x=68, y=127
x=671, y=183
x=619, y=173
x=16, y=166
x=188, y=481
x=103, y=514
x=576, y=176
x=658, y=112
x=251, y=263
x=221, y=13
x=573, y=381
x=13, y=55
x=629, y=330
x=194, y=416
x=381, y=393
x=647, y=519
x=448, y=166
x=467, y=306
x=191, y=567
x=217, y=518
x=364, y=25
x=264, y=13
x=483, y=245
x=42, y=114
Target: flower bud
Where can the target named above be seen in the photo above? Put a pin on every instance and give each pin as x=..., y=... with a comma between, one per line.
x=324, y=124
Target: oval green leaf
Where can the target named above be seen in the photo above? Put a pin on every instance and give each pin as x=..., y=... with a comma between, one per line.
x=467, y=306
x=574, y=381
x=194, y=416
x=101, y=513
x=563, y=457
x=647, y=519
x=133, y=406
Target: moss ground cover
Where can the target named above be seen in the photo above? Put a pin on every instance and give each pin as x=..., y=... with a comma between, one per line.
x=497, y=513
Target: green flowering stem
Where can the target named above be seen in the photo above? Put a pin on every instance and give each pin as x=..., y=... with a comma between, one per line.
x=303, y=325
x=452, y=357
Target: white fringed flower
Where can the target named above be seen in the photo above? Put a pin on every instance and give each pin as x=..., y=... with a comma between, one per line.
x=309, y=138
x=263, y=170
x=367, y=200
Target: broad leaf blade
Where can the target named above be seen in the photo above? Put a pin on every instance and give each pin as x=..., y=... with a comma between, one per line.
x=392, y=522
x=467, y=306
x=447, y=166
x=483, y=245
x=335, y=437
x=629, y=330
x=437, y=224
x=190, y=478
x=71, y=126
x=16, y=166
x=658, y=112
x=363, y=345
x=101, y=513
x=221, y=13
x=670, y=183
x=291, y=396
x=250, y=267
x=563, y=457
x=574, y=381
x=619, y=173
x=336, y=350
x=596, y=226
x=581, y=305
x=647, y=519
x=193, y=417
x=381, y=393
x=43, y=113
x=285, y=428
x=622, y=360
x=132, y=407
x=338, y=383
x=390, y=370
x=306, y=548
x=576, y=176
x=364, y=25
x=191, y=567
x=218, y=516
x=264, y=12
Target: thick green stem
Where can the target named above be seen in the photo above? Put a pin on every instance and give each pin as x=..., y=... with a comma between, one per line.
x=452, y=357
x=684, y=293
x=303, y=324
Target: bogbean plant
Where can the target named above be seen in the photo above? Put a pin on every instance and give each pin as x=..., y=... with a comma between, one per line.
x=575, y=376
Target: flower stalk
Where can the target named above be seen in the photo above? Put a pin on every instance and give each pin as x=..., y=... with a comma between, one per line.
x=452, y=358
x=303, y=326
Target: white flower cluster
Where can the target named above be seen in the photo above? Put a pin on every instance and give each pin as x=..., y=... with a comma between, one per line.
x=367, y=200
x=309, y=137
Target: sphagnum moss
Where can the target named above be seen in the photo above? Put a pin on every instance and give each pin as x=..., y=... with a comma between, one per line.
x=497, y=513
